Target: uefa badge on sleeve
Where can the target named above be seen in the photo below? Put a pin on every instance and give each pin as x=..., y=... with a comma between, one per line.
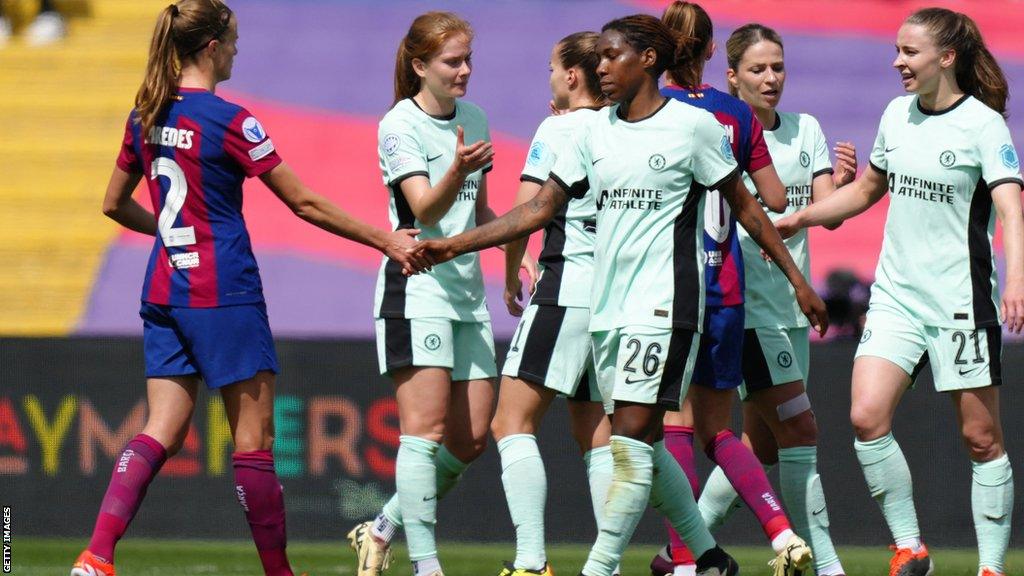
x=253, y=130
x=391, y=143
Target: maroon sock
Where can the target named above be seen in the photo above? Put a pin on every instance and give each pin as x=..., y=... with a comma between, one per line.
x=262, y=498
x=679, y=443
x=747, y=476
x=138, y=464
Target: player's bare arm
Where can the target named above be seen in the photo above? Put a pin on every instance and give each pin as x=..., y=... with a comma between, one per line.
x=518, y=222
x=1006, y=198
x=844, y=203
x=119, y=206
x=430, y=204
x=753, y=219
x=324, y=214
x=770, y=188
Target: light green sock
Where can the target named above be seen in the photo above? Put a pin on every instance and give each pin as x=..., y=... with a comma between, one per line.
x=526, y=490
x=672, y=495
x=992, y=505
x=888, y=477
x=718, y=500
x=449, y=471
x=416, y=480
x=805, y=500
x=599, y=473
x=632, y=471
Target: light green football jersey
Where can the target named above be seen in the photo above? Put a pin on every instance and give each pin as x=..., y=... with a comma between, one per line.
x=800, y=154
x=649, y=178
x=413, y=143
x=937, y=261
x=567, y=258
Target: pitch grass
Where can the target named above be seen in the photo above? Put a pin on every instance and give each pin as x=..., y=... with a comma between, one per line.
x=135, y=557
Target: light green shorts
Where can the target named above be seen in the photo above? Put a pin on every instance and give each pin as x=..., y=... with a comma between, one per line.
x=645, y=365
x=552, y=348
x=773, y=356
x=465, y=348
x=960, y=358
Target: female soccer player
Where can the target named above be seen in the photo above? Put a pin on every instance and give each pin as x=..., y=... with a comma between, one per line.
x=945, y=154
x=778, y=419
x=203, y=311
x=551, y=350
x=433, y=330
x=649, y=161
x=707, y=409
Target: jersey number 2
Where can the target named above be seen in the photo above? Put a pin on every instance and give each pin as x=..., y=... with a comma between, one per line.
x=177, y=190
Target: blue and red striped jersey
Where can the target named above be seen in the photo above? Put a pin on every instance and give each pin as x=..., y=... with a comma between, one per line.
x=723, y=259
x=194, y=161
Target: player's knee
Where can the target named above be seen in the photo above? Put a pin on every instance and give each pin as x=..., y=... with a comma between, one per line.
x=705, y=432
x=802, y=430
x=638, y=428
x=797, y=425
x=251, y=441
x=505, y=424
x=982, y=443
x=584, y=438
x=469, y=449
x=867, y=423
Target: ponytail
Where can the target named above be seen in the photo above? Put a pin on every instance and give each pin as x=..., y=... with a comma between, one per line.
x=424, y=40
x=182, y=30
x=163, y=72
x=643, y=31
x=691, y=21
x=977, y=72
x=579, y=50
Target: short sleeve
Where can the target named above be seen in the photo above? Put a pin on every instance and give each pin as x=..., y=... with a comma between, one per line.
x=541, y=157
x=821, y=162
x=759, y=154
x=878, y=161
x=570, y=166
x=128, y=158
x=247, y=143
x=713, y=162
x=999, y=161
x=401, y=152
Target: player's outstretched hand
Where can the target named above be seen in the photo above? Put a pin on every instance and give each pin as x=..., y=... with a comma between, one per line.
x=469, y=159
x=433, y=251
x=813, y=308
x=787, y=226
x=1013, y=305
x=397, y=248
x=846, y=163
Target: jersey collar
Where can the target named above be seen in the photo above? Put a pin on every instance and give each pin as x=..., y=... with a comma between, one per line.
x=651, y=115
x=940, y=112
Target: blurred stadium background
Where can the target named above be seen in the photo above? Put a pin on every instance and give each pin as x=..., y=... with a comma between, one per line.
x=318, y=75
